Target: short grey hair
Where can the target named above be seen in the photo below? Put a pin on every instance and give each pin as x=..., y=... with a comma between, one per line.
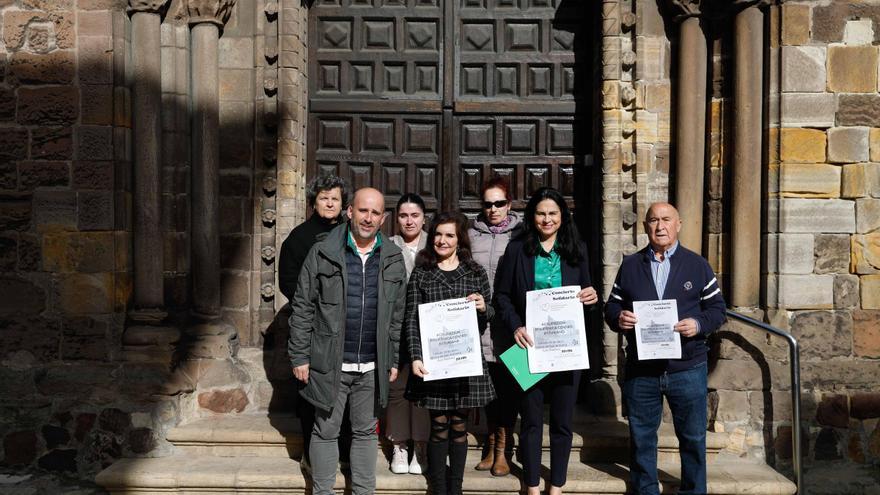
x=326, y=183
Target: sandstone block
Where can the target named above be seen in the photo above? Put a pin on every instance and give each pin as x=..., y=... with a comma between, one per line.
x=833, y=410
x=856, y=373
x=769, y=405
x=57, y=67
x=52, y=143
x=7, y=100
x=236, y=53
x=13, y=144
x=18, y=23
x=795, y=253
x=795, y=24
x=95, y=60
x=823, y=334
x=95, y=210
x=224, y=401
x=874, y=144
x=32, y=174
x=91, y=252
x=817, y=215
x=729, y=405
x=86, y=293
x=854, y=183
x=803, y=69
x=97, y=104
x=867, y=215
x=848, y=144
x=832, y=253
x=21, y=296
x=865, y=405
x=858, y=32
x=861, y=110
x=865, y=253
x=802, y=145
x=806, y=291
x=846, y=291
x=809, y=110
x=49, y=105
x=94, y=24
x=54, y=210
x=730, y=374
x=870, y=291
x=809, y=180
x=852, y=69
x=93, y=175
x=94, y=142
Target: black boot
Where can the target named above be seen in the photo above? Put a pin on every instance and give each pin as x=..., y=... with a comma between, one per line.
x=457, y=459
x=437, y=453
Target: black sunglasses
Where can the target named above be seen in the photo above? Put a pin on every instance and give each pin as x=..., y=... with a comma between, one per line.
x=501, y=203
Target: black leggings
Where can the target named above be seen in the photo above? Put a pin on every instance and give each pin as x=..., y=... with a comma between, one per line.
x=446, y=424
x=448, y=438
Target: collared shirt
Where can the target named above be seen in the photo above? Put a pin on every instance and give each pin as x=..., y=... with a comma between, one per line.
x=660, y=269
x=548, y=270
x=377, y=241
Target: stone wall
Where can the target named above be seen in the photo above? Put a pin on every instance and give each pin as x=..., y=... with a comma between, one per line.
x=75, y=398
x=820, y=247
x=68, y=402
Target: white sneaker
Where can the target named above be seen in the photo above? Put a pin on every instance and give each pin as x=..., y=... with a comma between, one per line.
x=419, y=463
x=399, y=460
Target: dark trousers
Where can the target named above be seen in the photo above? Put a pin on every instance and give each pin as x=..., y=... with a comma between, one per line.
x=686, y=393
x=498, y=412
x=561, y=389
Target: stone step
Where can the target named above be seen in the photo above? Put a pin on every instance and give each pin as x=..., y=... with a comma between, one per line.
x=185, y=473
x=278, y=435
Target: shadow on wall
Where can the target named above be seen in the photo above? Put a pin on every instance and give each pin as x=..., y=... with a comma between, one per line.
x=75, y=397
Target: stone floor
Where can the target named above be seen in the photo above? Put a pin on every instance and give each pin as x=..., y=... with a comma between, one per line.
x=42, y=483
x=257, y=454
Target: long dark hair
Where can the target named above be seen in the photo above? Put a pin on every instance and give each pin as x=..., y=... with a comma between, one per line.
x=427, y=258
x=566, y=238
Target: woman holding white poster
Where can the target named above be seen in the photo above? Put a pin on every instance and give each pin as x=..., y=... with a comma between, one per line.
x=547, y=255
x=445, y=271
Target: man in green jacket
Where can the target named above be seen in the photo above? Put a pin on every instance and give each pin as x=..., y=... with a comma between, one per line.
x=344, y=337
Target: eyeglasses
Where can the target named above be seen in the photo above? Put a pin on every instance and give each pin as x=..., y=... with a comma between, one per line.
x=501, y=203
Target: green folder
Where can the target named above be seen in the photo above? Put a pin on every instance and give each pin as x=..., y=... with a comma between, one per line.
x=517, y=361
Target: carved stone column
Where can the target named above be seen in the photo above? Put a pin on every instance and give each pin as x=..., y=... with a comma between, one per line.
x=146, y=17
x=206, y=18
x=690, y=127
x=745, y=232
x=146, y=338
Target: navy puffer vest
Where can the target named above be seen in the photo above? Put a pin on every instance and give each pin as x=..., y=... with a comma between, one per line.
x=362, y=307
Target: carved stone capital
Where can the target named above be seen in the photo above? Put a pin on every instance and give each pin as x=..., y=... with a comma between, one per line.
x=148, y=6
x=711, y=8
x=213, y=11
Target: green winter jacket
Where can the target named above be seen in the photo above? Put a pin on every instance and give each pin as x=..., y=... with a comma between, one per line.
x=317, y=321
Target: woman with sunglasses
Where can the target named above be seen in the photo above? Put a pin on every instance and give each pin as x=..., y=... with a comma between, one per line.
x=404, y=421
x=445, y=270
x=490, y=232
x=548, y=254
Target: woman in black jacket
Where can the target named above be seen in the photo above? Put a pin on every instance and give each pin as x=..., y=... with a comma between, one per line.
x=445, y=270
x=548, y=254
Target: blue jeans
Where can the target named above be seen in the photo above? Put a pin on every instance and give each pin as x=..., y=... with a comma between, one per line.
x=686, y=393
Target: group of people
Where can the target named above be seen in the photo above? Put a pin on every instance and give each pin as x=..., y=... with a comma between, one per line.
x=355, y=342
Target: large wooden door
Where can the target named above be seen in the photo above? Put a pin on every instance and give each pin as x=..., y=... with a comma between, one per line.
x=434, y=96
